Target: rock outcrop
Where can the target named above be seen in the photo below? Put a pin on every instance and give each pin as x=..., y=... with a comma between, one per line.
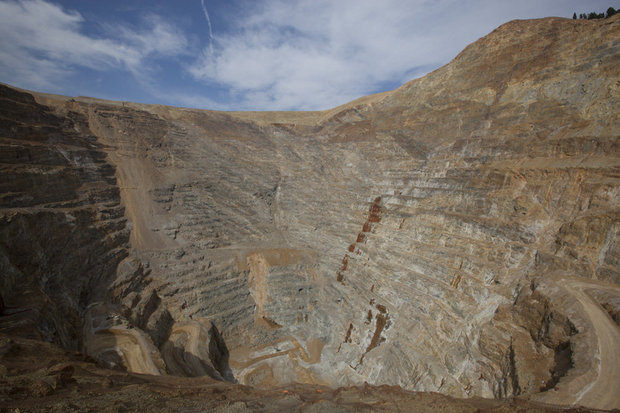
x=455, y=235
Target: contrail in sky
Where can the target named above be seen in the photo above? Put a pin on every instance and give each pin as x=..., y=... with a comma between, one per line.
x=206, y=13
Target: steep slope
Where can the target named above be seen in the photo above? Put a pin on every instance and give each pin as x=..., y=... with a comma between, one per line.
x=420, y=238
x=62, y=227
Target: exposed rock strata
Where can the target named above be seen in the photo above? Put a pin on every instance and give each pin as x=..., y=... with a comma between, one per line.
x=419, y=238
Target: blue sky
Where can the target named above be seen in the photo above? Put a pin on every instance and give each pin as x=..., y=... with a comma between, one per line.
x=241, y=54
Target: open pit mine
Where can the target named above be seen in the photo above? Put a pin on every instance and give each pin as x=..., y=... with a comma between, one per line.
x=453, y=244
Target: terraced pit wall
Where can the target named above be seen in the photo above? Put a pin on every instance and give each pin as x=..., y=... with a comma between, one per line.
x=418, y=238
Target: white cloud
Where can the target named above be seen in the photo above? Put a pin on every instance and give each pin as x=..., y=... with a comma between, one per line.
x=157, y=37
x=317, y=53
x=41, y=44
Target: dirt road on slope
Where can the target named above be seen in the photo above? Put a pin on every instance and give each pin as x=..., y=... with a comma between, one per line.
x=599, y=389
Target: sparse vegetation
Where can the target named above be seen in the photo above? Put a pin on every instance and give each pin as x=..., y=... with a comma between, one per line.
x=594, y=15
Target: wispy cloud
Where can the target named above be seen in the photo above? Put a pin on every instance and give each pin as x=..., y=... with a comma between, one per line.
x=208, y=19
x=42, y=44
x=318, y=53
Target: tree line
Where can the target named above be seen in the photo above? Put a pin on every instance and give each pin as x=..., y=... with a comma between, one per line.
x=594, y=15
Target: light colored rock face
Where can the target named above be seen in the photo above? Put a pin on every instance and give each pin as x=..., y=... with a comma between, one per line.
x=420, y=237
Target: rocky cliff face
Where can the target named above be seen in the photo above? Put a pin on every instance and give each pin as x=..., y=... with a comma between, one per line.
x=455, y=235
x=62, y=225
